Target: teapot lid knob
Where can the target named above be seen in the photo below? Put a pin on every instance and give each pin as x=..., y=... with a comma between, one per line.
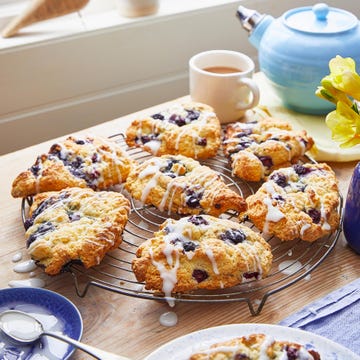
x=321, y=11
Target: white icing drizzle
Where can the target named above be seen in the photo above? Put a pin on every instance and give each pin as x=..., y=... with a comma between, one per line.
x=273, y=214
x=304, y=228
x=168, y=276
x=264, y=345
x=168, y=319
x=17, y=257
x=211, y=257
x=325, y=225
x=289, y=267
x=33, y=282
x=25, y=266
x=154, y=146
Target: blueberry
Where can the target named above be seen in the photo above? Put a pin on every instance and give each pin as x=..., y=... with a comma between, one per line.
x=189, y=246
x=243, y=144
x=77, y=162
x=41, y=231
x=158, y=116
x=192, y=115
x=74, y=216
x=278, y=198
x=177, y=120
x=201, y=142
x=266, y=161
x=28, y=223
x=80, y=142
x=301, y=170
x=193, y=198
x=43, y=206
x=200, y=275
x=241, y=357
x=315, y=215
x=244, y=132
x=234, y=236
x=95, y=158
x=251, y=275
x=291, y=352
x=35, y=169
x=197, y=220
x=279, y=179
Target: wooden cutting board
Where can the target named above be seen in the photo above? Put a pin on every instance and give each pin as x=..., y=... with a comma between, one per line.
x=39, y=10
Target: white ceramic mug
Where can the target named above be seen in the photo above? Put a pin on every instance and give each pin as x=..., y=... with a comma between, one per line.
x=136, y=8
x=223, y=80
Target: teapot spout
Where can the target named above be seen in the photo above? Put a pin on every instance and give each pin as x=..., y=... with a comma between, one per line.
x=249, y=18
x=254, y=23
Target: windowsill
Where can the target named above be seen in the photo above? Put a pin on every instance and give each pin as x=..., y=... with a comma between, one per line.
x=91, y=18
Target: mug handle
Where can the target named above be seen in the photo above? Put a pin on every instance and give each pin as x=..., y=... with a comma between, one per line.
x=251, y=84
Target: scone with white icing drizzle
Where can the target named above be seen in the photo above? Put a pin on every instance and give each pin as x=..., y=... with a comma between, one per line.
x=74, y=224
x=256, y=347
x=191, y=129
x=178, y=184
x=297, y=202
x=201, y=252
x=256, y=149
x=89, y=161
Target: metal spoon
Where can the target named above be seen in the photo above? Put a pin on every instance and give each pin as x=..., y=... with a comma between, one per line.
x=25, y=329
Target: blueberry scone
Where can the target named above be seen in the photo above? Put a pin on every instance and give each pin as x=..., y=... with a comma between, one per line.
x=190, y=129
x=201, y=252
x=256, y=347
x=297, y=202
x=256, y=149
x=74, y=224
x=178, y=184
x=75, y=162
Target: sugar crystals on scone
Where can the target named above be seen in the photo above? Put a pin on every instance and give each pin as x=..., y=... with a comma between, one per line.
x=190, y=129
x=78, y=161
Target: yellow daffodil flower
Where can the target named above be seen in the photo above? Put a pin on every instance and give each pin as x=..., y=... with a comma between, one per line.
x=343, y=76
x=344, y=124
x=342, y=87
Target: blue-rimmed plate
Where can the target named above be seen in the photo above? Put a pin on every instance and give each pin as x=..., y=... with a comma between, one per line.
x=54, y=311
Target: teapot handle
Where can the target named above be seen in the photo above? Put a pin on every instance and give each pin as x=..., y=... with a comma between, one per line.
x=254, y=93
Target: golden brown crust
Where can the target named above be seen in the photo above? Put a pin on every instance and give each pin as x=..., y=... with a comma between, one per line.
x=256, y=149
x=255, y=347
x=75, y=225
x=89, y=161
x=179, y=184
x=297, y=202
x=190, y=129
x=201, y=252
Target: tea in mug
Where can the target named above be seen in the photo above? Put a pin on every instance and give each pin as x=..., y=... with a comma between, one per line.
x=222, y=70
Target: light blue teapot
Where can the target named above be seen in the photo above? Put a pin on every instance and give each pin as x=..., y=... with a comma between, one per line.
x=295, y=49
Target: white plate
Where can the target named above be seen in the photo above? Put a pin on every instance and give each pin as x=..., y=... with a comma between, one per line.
x=182, y=347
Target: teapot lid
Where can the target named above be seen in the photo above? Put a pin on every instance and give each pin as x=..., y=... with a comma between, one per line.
x=320, y=19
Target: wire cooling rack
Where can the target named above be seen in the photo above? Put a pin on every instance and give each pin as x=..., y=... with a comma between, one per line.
x=292, y=260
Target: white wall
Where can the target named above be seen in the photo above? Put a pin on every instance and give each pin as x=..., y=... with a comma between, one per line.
x=56, y=87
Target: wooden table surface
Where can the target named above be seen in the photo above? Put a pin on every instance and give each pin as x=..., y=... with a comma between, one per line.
x=130, y=326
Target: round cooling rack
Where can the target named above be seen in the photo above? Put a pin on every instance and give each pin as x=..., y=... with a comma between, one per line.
x=292, y=260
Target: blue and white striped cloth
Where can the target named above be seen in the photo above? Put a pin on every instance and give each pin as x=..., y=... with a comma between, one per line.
x=335, y=316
